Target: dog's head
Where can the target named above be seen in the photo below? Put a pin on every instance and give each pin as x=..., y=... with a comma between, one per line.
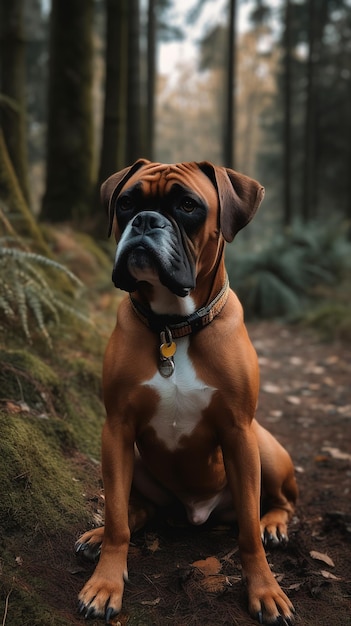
x=170, y=221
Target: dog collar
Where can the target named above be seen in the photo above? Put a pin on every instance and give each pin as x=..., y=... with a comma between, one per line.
x=178, y=325
x=170, y=327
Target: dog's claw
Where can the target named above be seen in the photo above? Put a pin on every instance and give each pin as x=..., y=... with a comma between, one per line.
x=109, y=614
x=284, y=621
x=90, y=612
x=260, y=617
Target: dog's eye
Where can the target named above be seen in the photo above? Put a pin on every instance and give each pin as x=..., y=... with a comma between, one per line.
x=125, y=203
x=188, y=204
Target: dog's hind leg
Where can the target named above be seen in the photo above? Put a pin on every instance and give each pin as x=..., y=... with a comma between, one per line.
x=279, y=488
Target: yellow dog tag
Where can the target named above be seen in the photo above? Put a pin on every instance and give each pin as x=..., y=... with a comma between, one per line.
x=167, y=350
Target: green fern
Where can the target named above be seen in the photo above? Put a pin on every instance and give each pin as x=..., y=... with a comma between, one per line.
x=26, y=294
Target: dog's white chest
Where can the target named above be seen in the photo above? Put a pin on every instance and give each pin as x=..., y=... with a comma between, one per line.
x=183, y=397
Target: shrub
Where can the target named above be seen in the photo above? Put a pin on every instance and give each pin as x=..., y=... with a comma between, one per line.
x=282, y=278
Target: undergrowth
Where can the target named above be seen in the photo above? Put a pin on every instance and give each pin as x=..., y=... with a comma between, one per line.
x=31, y=292
x=294, y=274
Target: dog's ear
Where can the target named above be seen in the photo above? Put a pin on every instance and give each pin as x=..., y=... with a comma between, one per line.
x=239, y=197
x=113, y=185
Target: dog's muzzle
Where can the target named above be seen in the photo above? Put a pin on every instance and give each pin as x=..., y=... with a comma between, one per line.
x=152, y=243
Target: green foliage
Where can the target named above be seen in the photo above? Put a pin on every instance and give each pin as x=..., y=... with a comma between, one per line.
x=29, y=294
x=284, y=277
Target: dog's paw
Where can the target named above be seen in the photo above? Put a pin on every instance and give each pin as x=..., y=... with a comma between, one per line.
x=88, y=545
x=272, y=606
x=267, y=602
x=101, y=597
x=274, y=529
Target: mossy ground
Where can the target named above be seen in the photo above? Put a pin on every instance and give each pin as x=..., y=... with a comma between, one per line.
x=51, y=415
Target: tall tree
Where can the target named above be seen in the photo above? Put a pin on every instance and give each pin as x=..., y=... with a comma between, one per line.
x=134, y=143
x=317, y=18
x=70, y=138
x=12, y=86
x=115, y=106
x=287, y=141
x=151, y=79
x=229, y=115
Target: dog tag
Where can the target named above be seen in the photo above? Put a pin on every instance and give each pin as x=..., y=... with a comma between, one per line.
x=166, y=367
x=168, y=350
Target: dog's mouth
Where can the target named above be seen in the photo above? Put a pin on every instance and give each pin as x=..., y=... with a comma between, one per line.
x=141, y=265
x=154, y=258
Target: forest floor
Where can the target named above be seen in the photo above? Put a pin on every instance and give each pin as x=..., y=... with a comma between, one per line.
x=182, y=575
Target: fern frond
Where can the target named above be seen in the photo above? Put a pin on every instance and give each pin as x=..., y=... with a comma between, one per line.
x=41, y=260
x=6, y=308
x=21, y=304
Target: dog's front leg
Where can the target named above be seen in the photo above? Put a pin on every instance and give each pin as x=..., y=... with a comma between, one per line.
x=102, y=594
x=267, y=602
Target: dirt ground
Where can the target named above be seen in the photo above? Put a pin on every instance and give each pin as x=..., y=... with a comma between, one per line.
x=180, y=575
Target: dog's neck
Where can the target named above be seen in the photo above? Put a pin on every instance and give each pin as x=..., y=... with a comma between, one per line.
x=162, y=301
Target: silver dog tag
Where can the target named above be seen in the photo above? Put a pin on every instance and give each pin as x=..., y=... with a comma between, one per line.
x=166, y=367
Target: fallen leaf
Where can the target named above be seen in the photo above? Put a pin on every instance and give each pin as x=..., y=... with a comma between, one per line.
x=344, y=410
x=327, y=574
x=19, y=560
x=215, y=584
x=296, y=360
x=153, y=545
x=271, y=388
x=320, y=556
x=337, y=454
x=209, y=566
x=293, y=400
x=294, y=586
x=151, y=602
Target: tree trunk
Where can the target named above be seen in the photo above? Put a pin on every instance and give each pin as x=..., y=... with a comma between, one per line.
x=134, y=140
x=229, y=117
x=151, y=80
x=317, y=18
x=14, y=204
x=287, y=113
x=70, y=129
x=115, y=109
x=12, y=73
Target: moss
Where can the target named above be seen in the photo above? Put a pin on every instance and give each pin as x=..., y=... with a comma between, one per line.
x=27, y=378
x=39, y=490
x=71, y=398
x=25, y=606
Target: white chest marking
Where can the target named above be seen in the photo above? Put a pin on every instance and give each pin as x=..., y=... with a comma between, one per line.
x=183, y=397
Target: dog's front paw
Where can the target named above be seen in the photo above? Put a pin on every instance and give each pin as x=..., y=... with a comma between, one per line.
x=101, y=597
x=88, y=545
x=270, y=605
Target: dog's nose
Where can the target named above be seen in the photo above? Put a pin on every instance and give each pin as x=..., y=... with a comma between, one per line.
x=147, y=221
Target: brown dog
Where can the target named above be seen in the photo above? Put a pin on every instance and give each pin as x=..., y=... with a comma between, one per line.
x=181, y=381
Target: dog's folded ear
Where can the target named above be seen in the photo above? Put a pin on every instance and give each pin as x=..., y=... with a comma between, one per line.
x=113, y=185
x=239, y=197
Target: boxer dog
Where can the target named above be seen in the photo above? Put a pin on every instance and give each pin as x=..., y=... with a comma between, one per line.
x=181, y=380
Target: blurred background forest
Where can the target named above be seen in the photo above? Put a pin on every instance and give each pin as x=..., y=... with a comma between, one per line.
x=87, y=87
